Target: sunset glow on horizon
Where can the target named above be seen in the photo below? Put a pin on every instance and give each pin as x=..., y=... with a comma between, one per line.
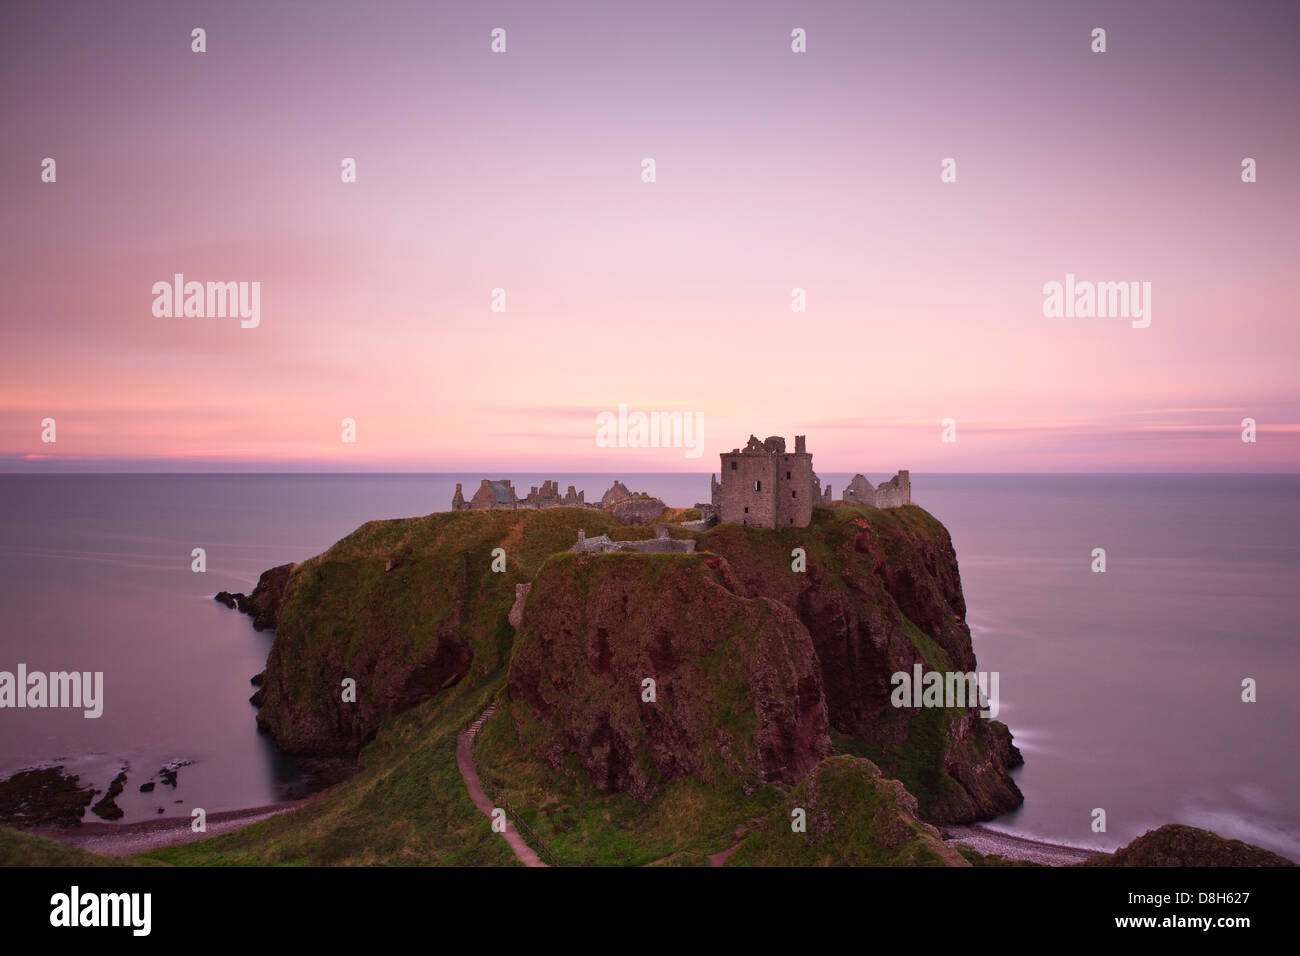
x=775, y=171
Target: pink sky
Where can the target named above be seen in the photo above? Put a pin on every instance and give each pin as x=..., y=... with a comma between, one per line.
x=775, y=170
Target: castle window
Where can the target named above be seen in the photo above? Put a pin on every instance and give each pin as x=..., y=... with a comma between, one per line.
x=746, y=511
x=758, y=486
x=794, y=494
x=733, y=466
x=787, y=476
x=792, y=521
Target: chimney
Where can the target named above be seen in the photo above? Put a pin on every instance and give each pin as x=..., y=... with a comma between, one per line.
x=799, y=447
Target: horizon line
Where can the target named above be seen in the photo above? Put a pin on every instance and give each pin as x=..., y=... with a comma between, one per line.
x=1063, y=474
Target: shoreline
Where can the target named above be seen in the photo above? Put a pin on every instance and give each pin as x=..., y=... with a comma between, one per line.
x=126, y=839
x=979, y=837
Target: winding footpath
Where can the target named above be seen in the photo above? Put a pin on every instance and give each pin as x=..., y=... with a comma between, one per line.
x=980, y=838
x=465, y=761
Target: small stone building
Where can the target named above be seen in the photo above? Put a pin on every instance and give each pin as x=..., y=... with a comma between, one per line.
x=490, y=495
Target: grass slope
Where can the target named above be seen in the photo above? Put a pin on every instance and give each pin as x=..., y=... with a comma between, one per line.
x=407, y=807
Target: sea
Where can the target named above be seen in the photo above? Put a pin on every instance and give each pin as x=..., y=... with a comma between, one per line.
x=1123, y=688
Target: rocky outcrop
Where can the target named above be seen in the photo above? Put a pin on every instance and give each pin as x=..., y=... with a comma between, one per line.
x=45, y=796
x=646, y=668
x=106, y=807
x=516, y=615
x=880, y=593
x=846, y=813
x=637, y=510
x=397, y=645
x=405, y=609
x=263, y=605
x=1177, y=845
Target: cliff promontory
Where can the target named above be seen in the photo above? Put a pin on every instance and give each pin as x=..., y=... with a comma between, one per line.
x=767, y=649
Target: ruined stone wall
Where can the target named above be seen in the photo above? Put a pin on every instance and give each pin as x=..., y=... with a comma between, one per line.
x=859, y=491
x=794, y=490
x=748, y=489
x=547, y=496
x=662, y=544
x=485, y=499
x=617, y=492
x=895, y=492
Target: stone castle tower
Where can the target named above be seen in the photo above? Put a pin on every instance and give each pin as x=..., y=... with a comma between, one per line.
x=766, y=486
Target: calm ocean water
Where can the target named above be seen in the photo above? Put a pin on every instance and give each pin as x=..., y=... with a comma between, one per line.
x=1122, y=689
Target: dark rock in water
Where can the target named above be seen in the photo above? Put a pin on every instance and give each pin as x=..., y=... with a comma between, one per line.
x=43, y=797
x=168, y=773
x=263, y=605
x=257, y=679
x=264, y=602
x=107, y=807
x=1176, y=845
x=160, y=810
x=147, y=787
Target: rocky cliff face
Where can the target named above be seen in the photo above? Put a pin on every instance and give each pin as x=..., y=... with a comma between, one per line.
x=264, y=603
x=880, y=593
x=736, y=686
x=404, y=608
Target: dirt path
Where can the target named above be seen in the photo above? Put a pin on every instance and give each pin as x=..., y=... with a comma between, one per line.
x=720, y=858
x=465, y=761
x=742, y=831
x=1016, y=848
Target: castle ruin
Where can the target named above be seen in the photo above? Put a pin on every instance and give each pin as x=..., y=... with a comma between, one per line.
x=661, y=543
x=766, y=486
x=500, y=495
x=894, y=493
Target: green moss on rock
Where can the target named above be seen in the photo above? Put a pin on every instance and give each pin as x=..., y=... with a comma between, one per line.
x=853, y=816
